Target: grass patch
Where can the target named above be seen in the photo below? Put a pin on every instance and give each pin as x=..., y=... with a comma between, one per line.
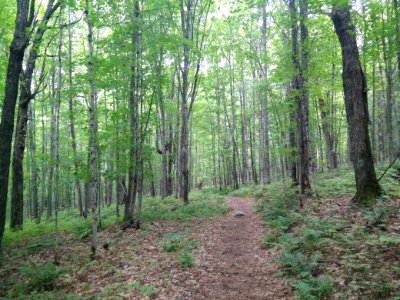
x=250, y=190
x=205, y=203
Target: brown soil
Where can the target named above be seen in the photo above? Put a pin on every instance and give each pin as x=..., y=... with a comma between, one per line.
x=235, y=264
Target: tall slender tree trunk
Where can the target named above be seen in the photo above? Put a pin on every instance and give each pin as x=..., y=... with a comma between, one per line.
x=78, y=188
x=130, y=199
x=163, y=133
x=373, y=121
x=43, y=163
x=299, y=92
x=57, y=192
x=186, y=23
x=381, y=127
x=326, y=130
x=253, y=133
x=92, y=157
x=243, y=111
x=52, y=143
x=34, y=169
x=295, y=86
x=356, y=102
x=295, y=91
x=266, y=172
x=397, y=23
x=192, y=15
x=17, y=203
x=389, y=89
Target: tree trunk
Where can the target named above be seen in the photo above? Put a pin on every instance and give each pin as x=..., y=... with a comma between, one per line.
x=92, y=157
x=26, y=95
x=52, y=143
x=133, y=125
x=302, y=108
x=266, y=172
x=78, y=189
x=243, y=106
x=397, y=23
x=44, y=164
x=381, y=128
x=389, y=90
x=17, y=203
x=163, y=134
x=326, y=130
x=34, y=176
x=253, y=133
x=356, y=102
x=299, y=90
x=14, y=67
x=186, y=23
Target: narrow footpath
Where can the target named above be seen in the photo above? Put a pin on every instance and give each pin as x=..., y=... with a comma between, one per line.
x=233, y=261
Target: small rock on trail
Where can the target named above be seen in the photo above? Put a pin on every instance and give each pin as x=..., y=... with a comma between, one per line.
x=239, y=213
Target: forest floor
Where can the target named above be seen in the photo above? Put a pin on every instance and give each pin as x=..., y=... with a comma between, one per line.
x=218, y=247
x=205, y=258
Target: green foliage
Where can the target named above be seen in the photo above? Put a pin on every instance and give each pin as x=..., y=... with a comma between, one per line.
x=311, y=288
x=205, y=203
x=41, y=277
x=185, y=260
x=249, y=190
x=148, y=289
x=180, y=246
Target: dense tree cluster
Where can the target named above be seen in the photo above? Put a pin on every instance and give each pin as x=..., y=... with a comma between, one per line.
x=114, y=100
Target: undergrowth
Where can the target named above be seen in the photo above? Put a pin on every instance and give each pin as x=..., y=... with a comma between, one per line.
x=180, y=245
x=21, y=277
x=204, y=203
x=330, y=247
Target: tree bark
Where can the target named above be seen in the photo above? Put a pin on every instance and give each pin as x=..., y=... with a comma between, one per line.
x=381, y=127
x=356, y=102
x=302, y=106
x=14, y=68
x=326, y=130
x=34, y=169
x=397, y=23
x=191, y=17
x=133, y=125
x=295, y=86
x=92, y=157
x=52, y=143
x=266, y=172
x=78, y=189
x=186, y=23
x=253, y=133
x=389, y=89
x=26, y=95
x=243, y=111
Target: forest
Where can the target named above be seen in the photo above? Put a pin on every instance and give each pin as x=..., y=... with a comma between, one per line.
x=200, y=149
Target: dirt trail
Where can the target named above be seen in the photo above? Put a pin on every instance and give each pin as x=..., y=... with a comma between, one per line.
x=234, y=264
